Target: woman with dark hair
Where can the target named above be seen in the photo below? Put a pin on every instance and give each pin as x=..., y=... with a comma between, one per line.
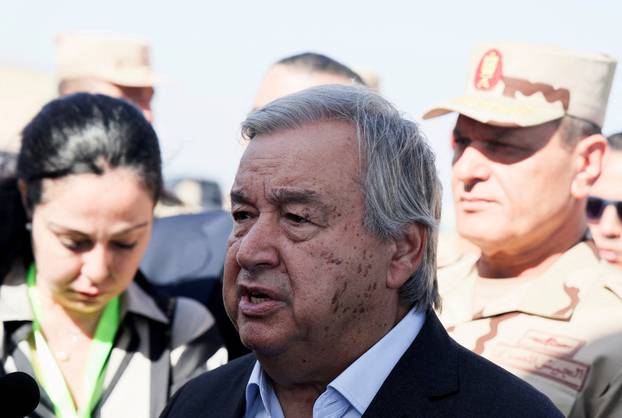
x=76, y=313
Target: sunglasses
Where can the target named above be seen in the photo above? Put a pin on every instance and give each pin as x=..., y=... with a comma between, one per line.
x=596, y=206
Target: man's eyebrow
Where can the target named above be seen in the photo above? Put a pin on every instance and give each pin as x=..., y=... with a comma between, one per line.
x=284, y=196
x=238, y=196
x=288, y=195
x=70, y=230
x=281, y=196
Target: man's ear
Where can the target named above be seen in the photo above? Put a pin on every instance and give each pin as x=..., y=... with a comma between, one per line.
x=407, y=255
x=23, y=192
x=588, y=160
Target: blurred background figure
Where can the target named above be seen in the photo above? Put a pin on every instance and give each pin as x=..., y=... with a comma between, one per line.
x=75, y=220
x=301, y=71
x=117, y=65
x=111, y=64
x=191, y=195
x=186, y=253
x=604, y=205
x=8, y=163
x=370, y=78
x=22, y=94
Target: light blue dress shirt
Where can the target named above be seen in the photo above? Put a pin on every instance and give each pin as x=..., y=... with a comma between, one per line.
x=349, y=395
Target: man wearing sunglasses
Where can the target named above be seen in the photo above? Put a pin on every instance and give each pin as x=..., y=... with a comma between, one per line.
x=604, y=205
x=537, y=300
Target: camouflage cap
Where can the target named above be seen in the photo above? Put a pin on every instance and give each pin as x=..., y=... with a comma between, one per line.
x=118, y=59
x=526, y=85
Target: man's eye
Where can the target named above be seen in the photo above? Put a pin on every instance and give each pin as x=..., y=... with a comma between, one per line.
x=494, y=146
x=123, y=245
x=241, y=215
x=460, y=142
x=299, y=220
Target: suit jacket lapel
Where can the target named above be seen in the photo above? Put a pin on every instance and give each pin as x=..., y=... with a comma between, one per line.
x=425, y=374
x=236, y=390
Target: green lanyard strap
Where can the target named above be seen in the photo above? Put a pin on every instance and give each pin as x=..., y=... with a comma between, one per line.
x=47, y=370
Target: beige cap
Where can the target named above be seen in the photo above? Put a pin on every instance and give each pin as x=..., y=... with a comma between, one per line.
x=526, y=85
x=118, y=59
x=22, y=94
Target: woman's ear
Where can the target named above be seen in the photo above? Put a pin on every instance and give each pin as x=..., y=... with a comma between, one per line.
x=407, y=255
x=588, y=161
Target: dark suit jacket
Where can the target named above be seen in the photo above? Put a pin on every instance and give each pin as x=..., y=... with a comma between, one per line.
x=436, y=377
x=185, y=257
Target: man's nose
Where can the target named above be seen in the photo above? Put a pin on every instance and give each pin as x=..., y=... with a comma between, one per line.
x=258, y=246
x=471, y=166
x=610, y=224
x=96, y=264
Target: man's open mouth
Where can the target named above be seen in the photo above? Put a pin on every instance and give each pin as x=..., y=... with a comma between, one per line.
x=258, y=297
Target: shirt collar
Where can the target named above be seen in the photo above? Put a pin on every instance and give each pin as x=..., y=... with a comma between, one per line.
x=259, y=389
x=360, y=382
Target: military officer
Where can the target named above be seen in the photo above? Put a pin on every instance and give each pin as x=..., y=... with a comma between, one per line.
x=536, y=299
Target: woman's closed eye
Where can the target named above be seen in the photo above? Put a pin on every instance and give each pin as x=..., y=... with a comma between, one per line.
x=76, y=244
x=80, y=245
x=123, y=245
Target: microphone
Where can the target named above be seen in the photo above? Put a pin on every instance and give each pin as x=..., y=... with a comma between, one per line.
x=19, y=395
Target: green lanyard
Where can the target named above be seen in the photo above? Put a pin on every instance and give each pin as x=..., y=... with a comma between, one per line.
x=48, y=372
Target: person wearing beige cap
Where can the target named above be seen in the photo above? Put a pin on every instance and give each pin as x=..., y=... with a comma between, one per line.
x=23, y=91
x=114, y=65
x=537, y=299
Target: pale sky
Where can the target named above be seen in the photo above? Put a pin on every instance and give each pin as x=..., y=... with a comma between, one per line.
x=213, y=55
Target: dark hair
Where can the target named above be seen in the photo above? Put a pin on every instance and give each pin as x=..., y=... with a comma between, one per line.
x=574, y=129
x=315, y=62
x=14, y=240
x=615, y=141
x=75, y=134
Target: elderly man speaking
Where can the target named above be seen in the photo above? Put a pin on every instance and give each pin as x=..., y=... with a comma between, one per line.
x=330, y=275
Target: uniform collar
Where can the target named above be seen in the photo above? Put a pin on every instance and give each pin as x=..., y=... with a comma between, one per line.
x=555, y=294
x=15, y=305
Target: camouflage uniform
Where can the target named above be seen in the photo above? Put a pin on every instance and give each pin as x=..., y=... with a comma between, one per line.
x=561, y=331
